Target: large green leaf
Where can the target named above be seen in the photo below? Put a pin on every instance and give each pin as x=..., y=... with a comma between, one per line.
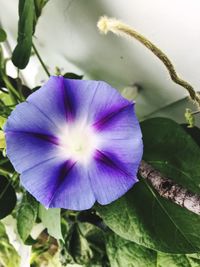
x=125, y=253
x=7, y=197
x=148, y=219
x=172, y=151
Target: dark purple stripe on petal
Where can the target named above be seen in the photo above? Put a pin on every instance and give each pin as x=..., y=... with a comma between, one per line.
x=62, y=175
x=108, y=117
x=65, y=169
x=111, y=161
x=69, y=101
x=49, y=138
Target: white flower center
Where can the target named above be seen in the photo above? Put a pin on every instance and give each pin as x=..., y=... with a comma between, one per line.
x=78, y=142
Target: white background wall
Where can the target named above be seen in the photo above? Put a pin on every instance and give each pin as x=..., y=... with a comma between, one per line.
x=67, y=37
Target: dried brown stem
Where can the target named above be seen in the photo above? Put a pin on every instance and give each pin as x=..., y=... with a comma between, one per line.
x=169, y=189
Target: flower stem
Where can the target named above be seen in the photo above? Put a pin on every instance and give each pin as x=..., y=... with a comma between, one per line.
x=40, y=59
x=117, y=27
x=10, y=88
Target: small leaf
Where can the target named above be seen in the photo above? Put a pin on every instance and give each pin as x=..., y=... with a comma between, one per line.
x=3, y=35
x=30, y=241
x=39, y=4
x=2, y=140
x=79, y=247
x=70, y=75
x=189, y=117
x=2, y=121
x=26, y=216
x=51, y=219
x=5, y=164
x=96, y=239
x=17, y=84
x=7, y=197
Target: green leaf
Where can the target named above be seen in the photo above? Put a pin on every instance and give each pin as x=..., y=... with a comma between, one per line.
x=70, y=75
x=8, y=255
x=7, y=197
x=2, y=140
x=194, y=132
x=17, y=84
x=22, y=51
x=2, y=122
x=194, y=261
x=5, y=165
x=190, y=118
x=29, y=12
x=96, y=240
x=1, y=64
x=3, y=35
x=148, y=219
x=26, y=216
x=123, y=253
x=79, y=247
x=176, y=260
x=51, y=219
x=39, y=4
x=171, y=150
x=85, y=243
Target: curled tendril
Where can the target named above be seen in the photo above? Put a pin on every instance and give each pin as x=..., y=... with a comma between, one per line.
x=119, y=28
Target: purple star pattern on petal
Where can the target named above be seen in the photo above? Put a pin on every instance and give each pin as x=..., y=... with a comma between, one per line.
x=75, y=142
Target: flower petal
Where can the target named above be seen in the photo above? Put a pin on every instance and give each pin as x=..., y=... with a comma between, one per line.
x=62, y=184
x=121, y=135
x=28, y=118
x=54, y=100
x=92, y=99
x=119, y=156
x=70, y=99
x=110, y=178
x=26, y=150
x=106, y=102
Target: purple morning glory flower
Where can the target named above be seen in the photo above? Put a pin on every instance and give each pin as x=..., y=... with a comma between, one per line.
x=75, y=142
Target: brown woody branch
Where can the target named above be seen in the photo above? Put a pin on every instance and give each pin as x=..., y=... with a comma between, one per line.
x=169, y=189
